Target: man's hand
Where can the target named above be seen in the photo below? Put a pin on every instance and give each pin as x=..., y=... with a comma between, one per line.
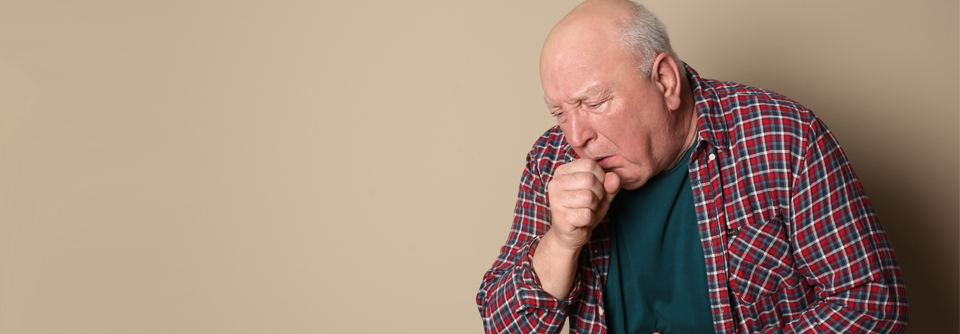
x=580, y=195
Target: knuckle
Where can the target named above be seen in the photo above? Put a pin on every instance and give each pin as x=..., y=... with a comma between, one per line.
x=575, y=180
x=572, y=217
x=569, y=167
x=585, y=197
x=585, y=179
x=591, y=164
x=564, y=217
x=583, y=216
x=579, y=165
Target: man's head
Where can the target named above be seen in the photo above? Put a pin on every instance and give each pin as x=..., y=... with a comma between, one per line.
x=619, y=96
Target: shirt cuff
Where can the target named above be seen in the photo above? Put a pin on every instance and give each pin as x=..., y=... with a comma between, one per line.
x=530, y=294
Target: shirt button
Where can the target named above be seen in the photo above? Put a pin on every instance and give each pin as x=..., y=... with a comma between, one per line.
x=713, y=156
x=601, y=311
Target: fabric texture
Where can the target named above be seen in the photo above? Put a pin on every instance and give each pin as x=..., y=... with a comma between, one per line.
x=657, y=281
x=790, y=240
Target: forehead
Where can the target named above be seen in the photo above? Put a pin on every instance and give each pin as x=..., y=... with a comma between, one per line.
x=591, y=90
x=570, y=76
x=579, y=60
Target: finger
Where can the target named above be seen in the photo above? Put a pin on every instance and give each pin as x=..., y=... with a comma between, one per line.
x=590, y=182
x=579, y=165
x=578, y=217
x=597, y=171
x=575, y=181
x=578, y=198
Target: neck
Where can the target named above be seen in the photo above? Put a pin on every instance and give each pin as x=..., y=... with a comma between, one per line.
x=687, y=125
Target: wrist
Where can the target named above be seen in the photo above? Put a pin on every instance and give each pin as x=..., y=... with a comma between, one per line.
x=554, y=265
x=559, y=245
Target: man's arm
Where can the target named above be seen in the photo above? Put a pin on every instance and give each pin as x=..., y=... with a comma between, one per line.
x=579, y=194
x=510, y=299
x=534, y=280
x=840, y=247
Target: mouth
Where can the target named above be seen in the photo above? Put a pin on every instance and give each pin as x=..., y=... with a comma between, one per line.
x=605, y=162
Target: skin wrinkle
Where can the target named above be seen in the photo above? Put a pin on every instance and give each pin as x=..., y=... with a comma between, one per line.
x=644, y=131
x=640, y=129
x=643, y=127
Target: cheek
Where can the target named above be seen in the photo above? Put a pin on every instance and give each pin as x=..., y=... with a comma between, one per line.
x=636, y=155
x=633, y=143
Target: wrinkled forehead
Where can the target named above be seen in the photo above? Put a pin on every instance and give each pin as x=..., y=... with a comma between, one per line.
x=578, y=58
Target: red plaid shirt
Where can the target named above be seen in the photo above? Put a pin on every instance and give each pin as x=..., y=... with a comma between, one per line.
x=791, y=242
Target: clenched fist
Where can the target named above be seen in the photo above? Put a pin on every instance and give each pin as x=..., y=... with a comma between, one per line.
x=580, y=195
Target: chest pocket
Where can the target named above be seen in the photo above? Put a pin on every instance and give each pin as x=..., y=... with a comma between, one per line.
x=761, y=260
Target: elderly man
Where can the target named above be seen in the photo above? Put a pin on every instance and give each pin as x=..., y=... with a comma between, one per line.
x=665, y=202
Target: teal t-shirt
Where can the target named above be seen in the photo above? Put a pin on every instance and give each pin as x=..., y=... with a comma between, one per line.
x=657, y=280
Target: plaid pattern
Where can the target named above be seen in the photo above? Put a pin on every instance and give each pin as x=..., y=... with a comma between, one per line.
x=791, y=242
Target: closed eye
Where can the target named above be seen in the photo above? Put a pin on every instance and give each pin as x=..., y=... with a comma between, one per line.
x=595, y=105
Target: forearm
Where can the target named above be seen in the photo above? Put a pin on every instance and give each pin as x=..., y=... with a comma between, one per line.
x=555, y=266
x=511, y=301
x=869, y=308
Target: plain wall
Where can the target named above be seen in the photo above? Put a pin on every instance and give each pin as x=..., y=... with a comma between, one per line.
x=351, y=167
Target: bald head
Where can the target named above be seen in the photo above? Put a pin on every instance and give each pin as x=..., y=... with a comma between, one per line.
x=605, y=26
x=592, y=12
x=618, y=96
x=591, y=30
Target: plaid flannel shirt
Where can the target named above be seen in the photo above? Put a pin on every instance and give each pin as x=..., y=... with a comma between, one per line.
x=790, y=240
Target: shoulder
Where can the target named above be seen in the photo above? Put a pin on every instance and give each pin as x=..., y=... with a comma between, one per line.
x=725, y=106
x=753, y=118
x=744, y=104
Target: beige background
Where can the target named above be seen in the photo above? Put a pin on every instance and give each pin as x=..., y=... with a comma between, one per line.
x=303, y=167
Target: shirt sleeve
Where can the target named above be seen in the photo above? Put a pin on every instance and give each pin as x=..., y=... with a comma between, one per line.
x=840, y=247
x=511, y=299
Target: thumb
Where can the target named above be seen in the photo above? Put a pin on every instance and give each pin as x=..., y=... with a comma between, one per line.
x=611, y=185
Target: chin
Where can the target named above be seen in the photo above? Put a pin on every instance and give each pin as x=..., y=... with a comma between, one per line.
x=632, y=183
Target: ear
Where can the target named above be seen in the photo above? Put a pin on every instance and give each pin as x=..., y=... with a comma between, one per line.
x=666, y=74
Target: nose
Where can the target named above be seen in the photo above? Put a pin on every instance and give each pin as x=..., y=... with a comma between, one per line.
x=578, y=130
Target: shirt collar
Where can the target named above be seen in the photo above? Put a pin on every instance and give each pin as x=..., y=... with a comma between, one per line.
x=711, y=119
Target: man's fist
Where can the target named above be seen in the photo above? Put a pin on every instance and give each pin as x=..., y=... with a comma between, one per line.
x=580, y=195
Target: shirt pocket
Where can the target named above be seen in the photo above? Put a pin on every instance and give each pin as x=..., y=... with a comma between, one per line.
x=760, y=260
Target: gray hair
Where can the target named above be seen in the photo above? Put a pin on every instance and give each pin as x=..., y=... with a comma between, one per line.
x=646, y=37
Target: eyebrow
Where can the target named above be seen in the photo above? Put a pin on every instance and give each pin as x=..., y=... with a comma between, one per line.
x=583, y=95
x=549, y=105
